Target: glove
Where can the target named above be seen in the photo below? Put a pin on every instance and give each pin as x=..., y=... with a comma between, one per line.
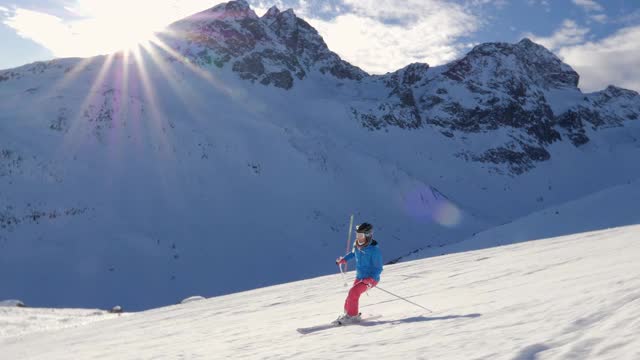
x=369, y=282
x=340, y=261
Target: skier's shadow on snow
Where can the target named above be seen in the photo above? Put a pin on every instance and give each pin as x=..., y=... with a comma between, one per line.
x=419, y=319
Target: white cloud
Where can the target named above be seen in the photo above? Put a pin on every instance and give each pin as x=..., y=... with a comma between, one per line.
x=381, y=36
x=589, y=5
x=377, y=35
x=631, y=18
x=569, y=34
x=101, y=26
x=160, y=11
x=42, y=28
x=601, y=18
x=543, y=3
x=261, y=6
x=610, y=61
x=497, y=3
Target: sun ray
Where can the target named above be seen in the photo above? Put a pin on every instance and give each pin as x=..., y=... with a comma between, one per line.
x=206, y=75
x=237, y=95
x=157, y=118
x=75, y=127
x=124, y=84
x=69, y=76
x=121, y=80
x=166, y=160
x=190, y=98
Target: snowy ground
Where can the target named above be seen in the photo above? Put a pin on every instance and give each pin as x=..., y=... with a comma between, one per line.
x=18, y=322
x=571, y=297
x=609, y=208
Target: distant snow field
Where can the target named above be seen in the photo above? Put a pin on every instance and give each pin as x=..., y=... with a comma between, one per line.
x=570, y=297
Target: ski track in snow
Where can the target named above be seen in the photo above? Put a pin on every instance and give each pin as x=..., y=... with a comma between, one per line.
x=571, y=297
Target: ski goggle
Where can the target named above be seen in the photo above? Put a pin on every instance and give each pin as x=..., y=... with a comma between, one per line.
x=362, y=239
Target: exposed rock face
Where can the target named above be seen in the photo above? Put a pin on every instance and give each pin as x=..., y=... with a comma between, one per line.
x=273, y=50
x=400, y=107
x=533, y=65
x=498, y=87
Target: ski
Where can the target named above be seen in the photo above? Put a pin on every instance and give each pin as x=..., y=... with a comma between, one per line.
x=312, y=329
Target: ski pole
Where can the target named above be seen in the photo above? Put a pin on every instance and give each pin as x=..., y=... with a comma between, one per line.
x=344, y=280
x=400, y=297
x=349, y=238
x=348, y=242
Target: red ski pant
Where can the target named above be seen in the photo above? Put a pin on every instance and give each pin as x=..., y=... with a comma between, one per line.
x=358, y=288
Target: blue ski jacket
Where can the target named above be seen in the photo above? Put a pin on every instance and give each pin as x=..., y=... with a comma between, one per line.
x=368, y=261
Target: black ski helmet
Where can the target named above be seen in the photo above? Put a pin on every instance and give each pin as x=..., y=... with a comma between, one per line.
x=365, y=228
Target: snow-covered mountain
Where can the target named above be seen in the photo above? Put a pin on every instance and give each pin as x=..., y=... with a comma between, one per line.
x=520, y=90
x=571, y=297
x=229, y=153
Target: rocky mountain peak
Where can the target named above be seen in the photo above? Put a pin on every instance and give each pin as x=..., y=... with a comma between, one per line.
x=411, y=74
x=273, y=50
x=238, y=9
x=298, y=36
x=525, y=61
x=271, y=15
x=509, y=89
x=526, y=43
x=617, y=92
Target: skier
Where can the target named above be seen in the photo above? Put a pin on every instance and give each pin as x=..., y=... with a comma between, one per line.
x=368, y=269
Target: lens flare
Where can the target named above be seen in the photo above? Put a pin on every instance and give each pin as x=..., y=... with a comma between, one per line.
x=429, y=204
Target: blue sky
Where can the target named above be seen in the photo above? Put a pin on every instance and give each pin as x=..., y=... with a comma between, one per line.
x=601, y=40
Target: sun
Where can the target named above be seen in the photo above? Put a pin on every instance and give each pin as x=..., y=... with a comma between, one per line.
x=121, y=34
x=110, y=26
x=85, y=28
x=134, y=36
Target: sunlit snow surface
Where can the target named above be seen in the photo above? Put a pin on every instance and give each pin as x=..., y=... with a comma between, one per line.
x=571, y=297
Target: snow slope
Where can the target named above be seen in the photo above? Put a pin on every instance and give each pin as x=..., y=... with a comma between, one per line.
x=35, y=320
x=137, y=208
x=613, y=207
x=571, y=297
